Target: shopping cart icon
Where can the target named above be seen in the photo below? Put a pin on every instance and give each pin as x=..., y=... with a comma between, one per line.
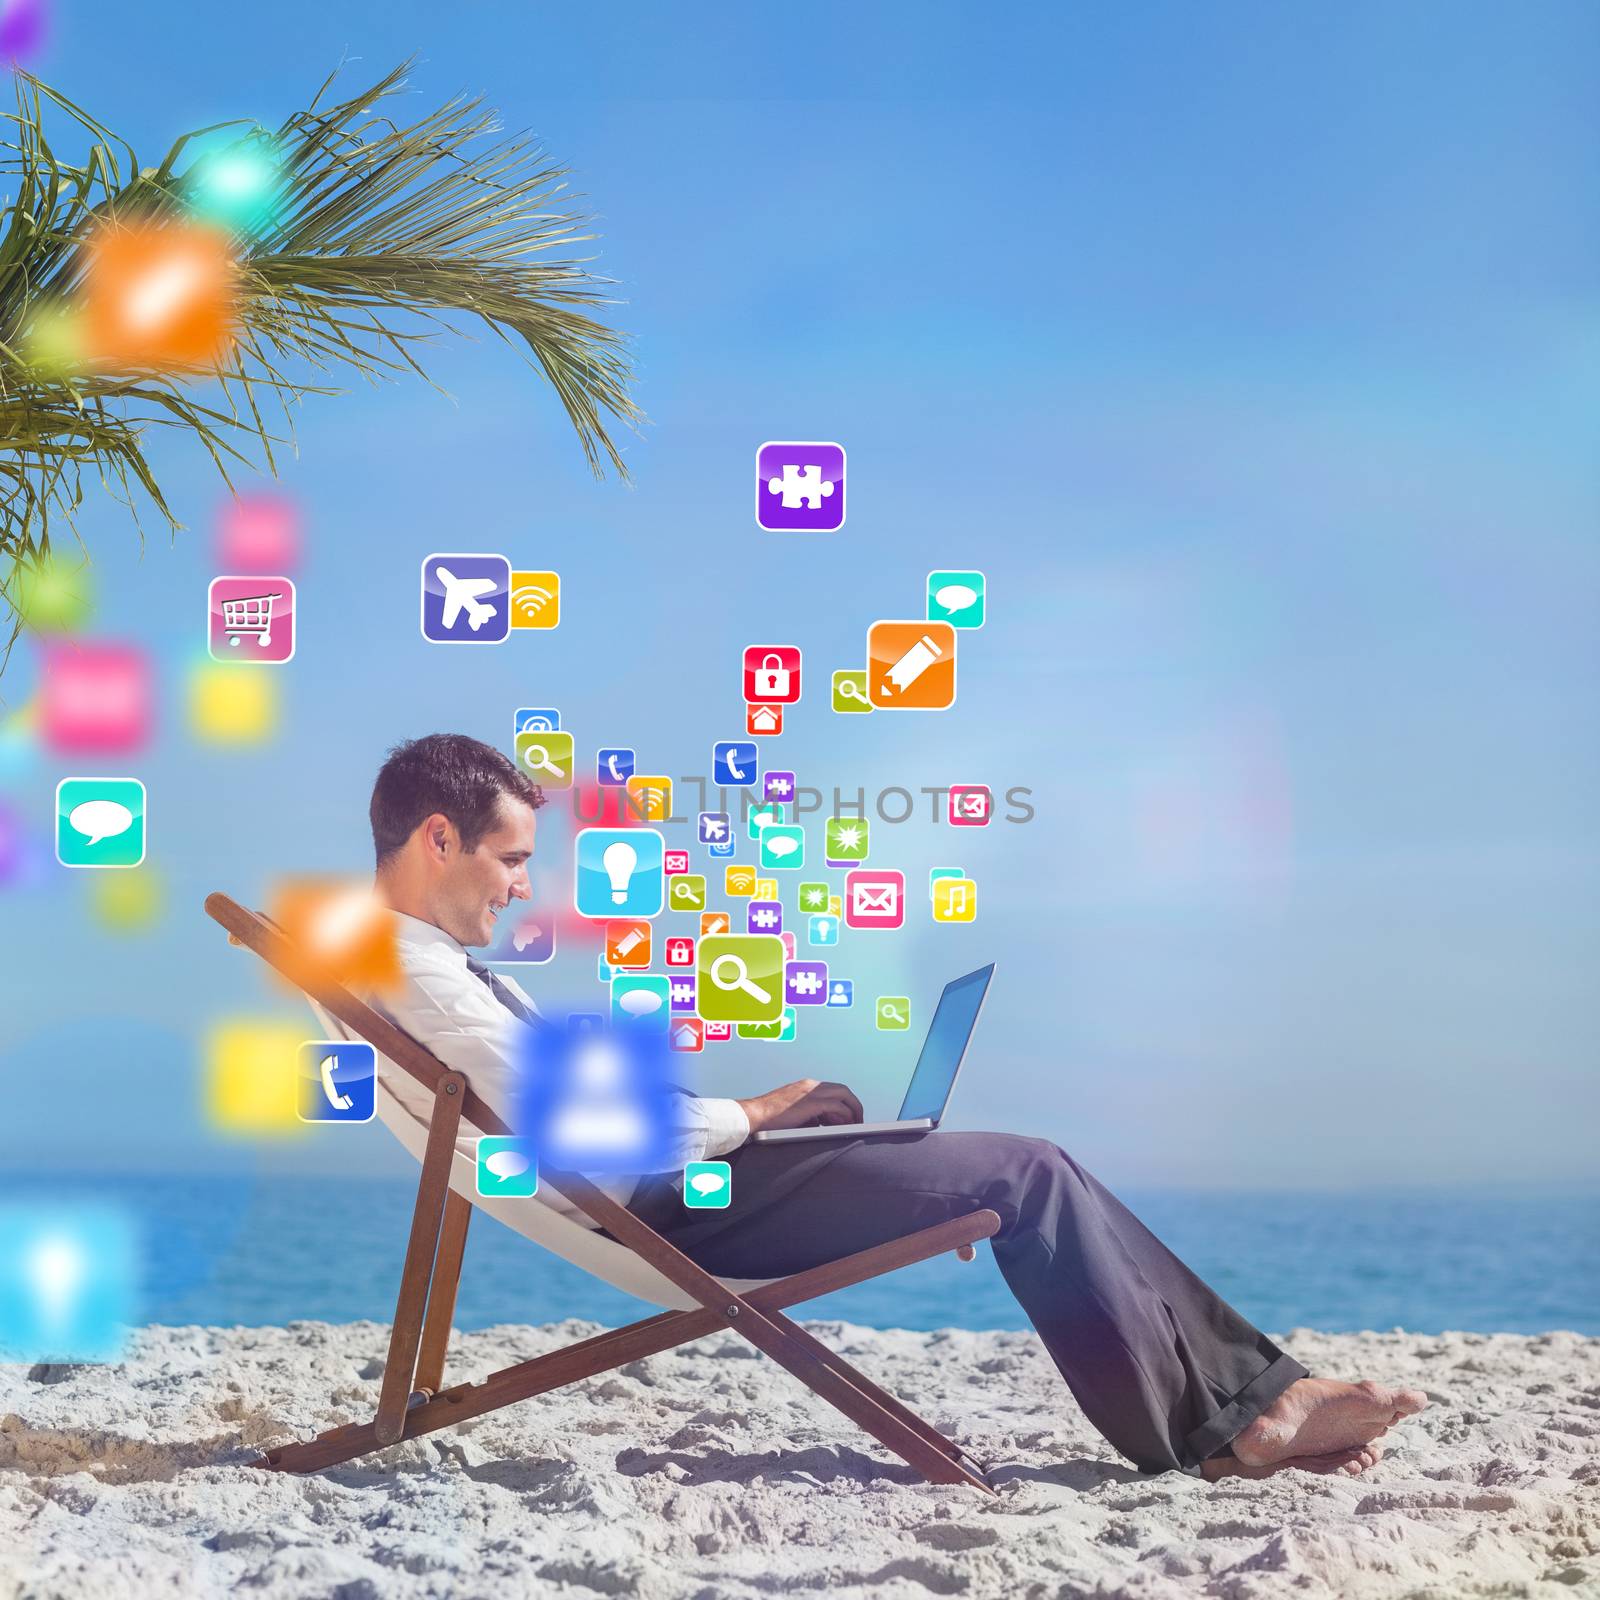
x=251, y=619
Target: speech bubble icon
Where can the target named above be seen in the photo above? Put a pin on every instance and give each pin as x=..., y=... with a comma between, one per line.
x=639, y=1002
x=527, y=933
x=100, y=819
x=786, y=846
x=762, y=819
x=505, y=1164
x=955, y=597
x=706, y=1182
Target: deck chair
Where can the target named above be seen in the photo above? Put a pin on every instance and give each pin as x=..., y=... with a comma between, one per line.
x=635, y=1258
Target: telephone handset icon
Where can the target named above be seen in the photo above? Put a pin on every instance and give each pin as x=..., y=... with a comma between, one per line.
x=339, y=1102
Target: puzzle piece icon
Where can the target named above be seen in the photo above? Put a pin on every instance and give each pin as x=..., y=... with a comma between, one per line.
x=800, y=486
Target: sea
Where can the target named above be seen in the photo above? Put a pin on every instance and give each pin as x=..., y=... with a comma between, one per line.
x=272, y=1250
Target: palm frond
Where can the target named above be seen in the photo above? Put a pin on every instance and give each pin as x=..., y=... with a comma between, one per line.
x=381, y=235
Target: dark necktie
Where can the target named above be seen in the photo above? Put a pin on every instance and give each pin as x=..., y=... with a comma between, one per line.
x=503, y=994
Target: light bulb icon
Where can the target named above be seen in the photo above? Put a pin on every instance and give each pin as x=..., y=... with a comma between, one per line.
x=56, y=1269
x=619, y=861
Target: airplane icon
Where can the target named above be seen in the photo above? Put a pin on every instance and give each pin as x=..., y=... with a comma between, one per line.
x=459, y=592
x=466, y=599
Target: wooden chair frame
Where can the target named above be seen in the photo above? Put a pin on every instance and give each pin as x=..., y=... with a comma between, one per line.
x=411, y=1399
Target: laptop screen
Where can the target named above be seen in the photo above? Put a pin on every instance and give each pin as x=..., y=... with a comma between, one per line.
x=946, y=1043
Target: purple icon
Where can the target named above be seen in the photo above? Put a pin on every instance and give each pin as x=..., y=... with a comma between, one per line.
x=805, y=983
x=22, y=28
x=800, y=487
x=680, y=992
x=777, y=786
x=763, y=916
x=715, y=827
x=466, y=599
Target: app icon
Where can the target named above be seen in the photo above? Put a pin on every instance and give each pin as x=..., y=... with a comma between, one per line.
x=619, y=873
x=713, y=922
x=522, y=934
x=789, y=952
x=337, y=1081
x=259, y=533
x=911, y=665
x=936, y=873
x=763, y=720
x=739, y=978
x=800, y=486
x=733, y=764
x=466, y=599
x=812, y=898
x=739, y=881
x=687, y=1033
x=841, y=992
x=100, y=822
x=763, y=916
x=72, y=1273
x=822, y=930
x=546, y=758
x=627, y=942
x=640, y=1000
x=766, y=889
x=94, y=699
x=715, y=827
x=772, y=674
x=535, y=599
x=725, y=848
x=250, y=619
x=707, y=1185
x=650, y=798
x=715, y=1030
x=845, y=839
x=760, y=815
x=874, y=899
x=687, y=892
x=680, y=952
x=783, y=847
x=970, y=805
x=805, y=983
x=893, y=1014
x=613, y=766
x=835, y=905
x=955, y=900
x=537, y=719
x=601, y=971
x=956, y=598
x=777, y=786
x=506, y=1167
x=676, y=862
x=850, y=691
x=680, y=991
x=780, y=1031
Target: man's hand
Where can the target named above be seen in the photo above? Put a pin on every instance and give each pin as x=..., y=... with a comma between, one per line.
x=805, y=1103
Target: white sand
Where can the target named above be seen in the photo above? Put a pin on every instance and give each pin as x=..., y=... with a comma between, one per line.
x=709, y=1473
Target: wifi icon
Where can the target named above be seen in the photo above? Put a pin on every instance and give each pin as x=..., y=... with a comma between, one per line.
x=535, y=599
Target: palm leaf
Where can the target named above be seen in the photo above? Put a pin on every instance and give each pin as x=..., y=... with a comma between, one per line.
x=381, y=235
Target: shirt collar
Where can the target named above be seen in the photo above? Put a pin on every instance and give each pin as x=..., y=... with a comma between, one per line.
x=415, y=931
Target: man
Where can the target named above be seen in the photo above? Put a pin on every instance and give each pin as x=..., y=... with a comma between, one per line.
x=1168, y=1372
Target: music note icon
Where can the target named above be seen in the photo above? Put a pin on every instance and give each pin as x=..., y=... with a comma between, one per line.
x=955, y=900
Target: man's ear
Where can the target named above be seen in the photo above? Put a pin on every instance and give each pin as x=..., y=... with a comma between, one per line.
x=438, y=836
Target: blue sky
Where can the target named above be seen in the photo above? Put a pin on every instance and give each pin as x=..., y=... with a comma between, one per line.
x=1250, y=353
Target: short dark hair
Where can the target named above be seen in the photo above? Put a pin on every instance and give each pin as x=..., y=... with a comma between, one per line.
x=459, y=777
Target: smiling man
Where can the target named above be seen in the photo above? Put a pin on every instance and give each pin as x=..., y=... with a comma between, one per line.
x=1171, y=1374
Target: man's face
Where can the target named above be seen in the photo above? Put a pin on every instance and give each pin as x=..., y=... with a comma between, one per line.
x=475, y=886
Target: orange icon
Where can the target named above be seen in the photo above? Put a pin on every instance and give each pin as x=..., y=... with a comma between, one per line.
x=911, y=665
x=158, y=295
x=763, y=719
x=627, y=943
x=713, y=922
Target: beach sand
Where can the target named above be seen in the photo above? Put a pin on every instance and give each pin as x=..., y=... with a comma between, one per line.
x=709, y=1473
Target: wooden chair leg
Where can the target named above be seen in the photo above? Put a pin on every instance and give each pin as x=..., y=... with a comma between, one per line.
x=421, y=1249
x=442, y=1294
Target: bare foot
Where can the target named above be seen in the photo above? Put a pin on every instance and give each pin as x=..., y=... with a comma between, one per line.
x=1349, y=1463
x=1315, y=1416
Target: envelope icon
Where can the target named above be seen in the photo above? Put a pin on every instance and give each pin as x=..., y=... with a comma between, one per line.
x=874, y=899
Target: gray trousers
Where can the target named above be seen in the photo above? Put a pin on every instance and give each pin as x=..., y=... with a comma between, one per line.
x=1160, y=1364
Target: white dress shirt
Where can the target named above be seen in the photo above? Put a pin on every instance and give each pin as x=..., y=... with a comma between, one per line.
x=447, y=1008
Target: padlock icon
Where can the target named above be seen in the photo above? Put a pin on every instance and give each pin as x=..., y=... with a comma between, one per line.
x=772, y=677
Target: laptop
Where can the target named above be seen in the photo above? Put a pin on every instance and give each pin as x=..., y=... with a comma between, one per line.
x=935, y=1076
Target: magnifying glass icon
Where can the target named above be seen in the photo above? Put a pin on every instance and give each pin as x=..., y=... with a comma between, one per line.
x=890, y=1012
x=536, y=758
x=849, y=689
x=686, y=892
x=729, y=972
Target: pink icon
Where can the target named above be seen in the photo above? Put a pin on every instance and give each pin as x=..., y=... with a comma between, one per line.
x=970, y=805
x=259, y=533
x=717, y=1030
x=251, y=619
x=95, y=698
x=874, y=899
x=674, y=862
x=788, y=945
x=680, y=952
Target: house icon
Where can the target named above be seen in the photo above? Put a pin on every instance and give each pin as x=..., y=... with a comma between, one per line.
x=763, y=719
x=686, y=1036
